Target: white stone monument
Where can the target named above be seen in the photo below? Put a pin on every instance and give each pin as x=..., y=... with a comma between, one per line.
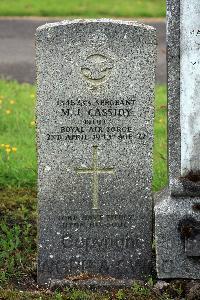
x=190, y=86
x=177, y=209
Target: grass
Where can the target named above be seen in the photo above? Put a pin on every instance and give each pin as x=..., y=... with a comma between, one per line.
x=160, y=140
x=17, y=139
x=17, y=234
x=84, y=8
x=17, y=127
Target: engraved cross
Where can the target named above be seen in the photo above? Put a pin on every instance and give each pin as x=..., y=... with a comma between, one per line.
x=95, y=171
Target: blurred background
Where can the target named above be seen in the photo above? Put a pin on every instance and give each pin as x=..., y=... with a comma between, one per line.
x=20, y=18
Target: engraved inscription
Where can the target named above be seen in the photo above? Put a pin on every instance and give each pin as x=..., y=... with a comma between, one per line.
x=70, y=224
x=98, y=243
x=80, y=264
x=97, y=68
x=73, y=222
x=95, y=172
x=94, y=120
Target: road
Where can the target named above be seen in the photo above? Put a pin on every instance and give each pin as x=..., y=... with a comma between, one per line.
x=17, y=51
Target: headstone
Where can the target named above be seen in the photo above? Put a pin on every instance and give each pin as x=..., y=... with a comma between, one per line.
x=177, y=211
x=95, y=136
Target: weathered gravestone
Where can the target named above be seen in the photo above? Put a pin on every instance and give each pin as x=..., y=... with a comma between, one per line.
x=178, y=209
x=95, y=136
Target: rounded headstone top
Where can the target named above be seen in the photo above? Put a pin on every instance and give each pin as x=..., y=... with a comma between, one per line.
x=63, y=23
x=65, y=30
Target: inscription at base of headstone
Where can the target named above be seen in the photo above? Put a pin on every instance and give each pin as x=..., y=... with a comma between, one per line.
x=95, y=137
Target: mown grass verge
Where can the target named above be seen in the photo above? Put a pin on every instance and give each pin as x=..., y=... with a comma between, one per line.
x=86, y=8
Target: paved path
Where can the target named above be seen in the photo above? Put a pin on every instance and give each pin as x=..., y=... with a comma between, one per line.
x=17, y=47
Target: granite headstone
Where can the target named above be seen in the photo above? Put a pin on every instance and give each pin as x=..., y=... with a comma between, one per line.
x=95, y=136
x=177, y=211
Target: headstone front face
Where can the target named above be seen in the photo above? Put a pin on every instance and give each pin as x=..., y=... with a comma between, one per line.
x=177, y=211
x=95, y=137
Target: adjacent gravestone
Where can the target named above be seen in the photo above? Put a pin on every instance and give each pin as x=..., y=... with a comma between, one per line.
x=95, y=136
x=178, y=209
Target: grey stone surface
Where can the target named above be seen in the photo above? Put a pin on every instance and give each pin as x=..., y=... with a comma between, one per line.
x=177, y=230
x=95, y=136
x=173, y=60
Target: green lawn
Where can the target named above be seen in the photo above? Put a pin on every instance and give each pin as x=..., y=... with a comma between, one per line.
x=160, y=140
x=17, y=139
x=83, y=8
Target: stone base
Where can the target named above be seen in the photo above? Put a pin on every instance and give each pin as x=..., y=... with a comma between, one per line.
x=177, y=236
x=92, y=284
